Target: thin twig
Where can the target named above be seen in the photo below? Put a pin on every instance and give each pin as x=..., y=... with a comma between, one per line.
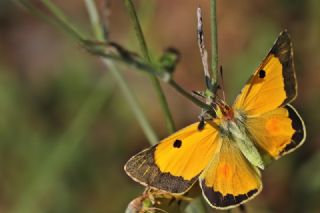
x=134, y=61
x=63, y=24
x=132, y=100
x=214, y=45
x=204, y=57
x=199, y=103
x=202, y=48
x=52, y=21
x=105, y=14
x=144, y=49
x=59, y=20
x=63, y=20
x=95, y=20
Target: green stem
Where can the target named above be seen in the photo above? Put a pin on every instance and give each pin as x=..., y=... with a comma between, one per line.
x=135, y=63
x=152, y=70
x=214, y=45
x=138, y=30
x=144, y=49
x=134, y=105
x=52, y=21
x=188, y=95
x=164, y=105
x=129, y=96
x=63, y=20
x=60, y=21
x=94, y=18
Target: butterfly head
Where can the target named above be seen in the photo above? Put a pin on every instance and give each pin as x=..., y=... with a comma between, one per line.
x=223, y=110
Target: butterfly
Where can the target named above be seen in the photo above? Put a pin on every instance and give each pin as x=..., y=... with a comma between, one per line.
x=227, y=152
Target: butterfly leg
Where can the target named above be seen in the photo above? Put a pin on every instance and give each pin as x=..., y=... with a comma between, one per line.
x=203, y=117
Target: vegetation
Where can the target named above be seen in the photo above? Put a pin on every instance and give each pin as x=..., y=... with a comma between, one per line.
x=70, y=107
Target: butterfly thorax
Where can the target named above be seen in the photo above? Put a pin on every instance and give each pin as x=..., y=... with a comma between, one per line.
x=226, y=111
x=227, y=123
x=231, y=125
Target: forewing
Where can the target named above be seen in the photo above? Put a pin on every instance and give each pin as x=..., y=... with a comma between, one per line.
x=230, y=179
x=277, y=132
x=273, y=84
x=175, y=163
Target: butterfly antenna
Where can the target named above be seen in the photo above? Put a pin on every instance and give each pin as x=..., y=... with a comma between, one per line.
x=222, y=84
x=198, y=94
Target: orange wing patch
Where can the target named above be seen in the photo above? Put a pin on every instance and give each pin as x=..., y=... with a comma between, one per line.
x=277, y=132
x=230, y=179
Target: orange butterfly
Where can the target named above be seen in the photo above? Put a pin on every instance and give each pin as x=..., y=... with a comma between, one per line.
x=225, y=154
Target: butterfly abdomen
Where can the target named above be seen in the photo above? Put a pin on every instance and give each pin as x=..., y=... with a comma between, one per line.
x=236, y=132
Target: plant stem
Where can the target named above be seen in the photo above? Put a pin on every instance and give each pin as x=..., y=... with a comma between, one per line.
x=52, y=21
x=62, y=23
x=131, y=99
x=144, y=49
x=129, y=96
x=95, y=20
x=60, y=20
x=188, y=95
x=63, y=20
x=214, y=45
x=111, y=57
x=138, y=30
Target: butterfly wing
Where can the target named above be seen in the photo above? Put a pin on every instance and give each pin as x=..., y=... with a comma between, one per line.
x=278, y=132
x=176, y=162
x=230, y=179
x=273, y=84
x=274, y=125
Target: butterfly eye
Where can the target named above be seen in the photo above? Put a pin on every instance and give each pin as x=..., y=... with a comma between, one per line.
x=177, y=143
x=262, y=74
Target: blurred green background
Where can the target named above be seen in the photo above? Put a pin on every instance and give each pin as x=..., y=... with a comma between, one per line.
x=66, y=129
